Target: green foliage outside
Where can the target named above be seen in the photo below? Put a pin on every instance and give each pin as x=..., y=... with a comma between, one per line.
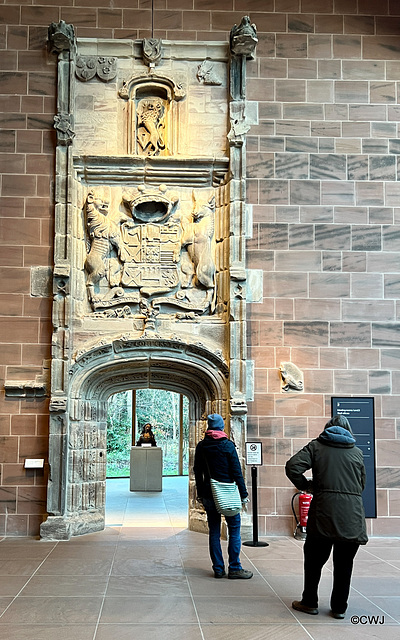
x=161, y=409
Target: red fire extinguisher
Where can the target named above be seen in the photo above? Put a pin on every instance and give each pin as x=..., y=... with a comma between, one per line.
x=301, y=521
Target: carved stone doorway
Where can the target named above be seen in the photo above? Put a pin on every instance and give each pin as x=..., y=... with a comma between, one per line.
x=113, y=367
x=149, y=262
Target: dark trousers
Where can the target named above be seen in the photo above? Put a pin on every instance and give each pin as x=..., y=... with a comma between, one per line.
x=317, y=550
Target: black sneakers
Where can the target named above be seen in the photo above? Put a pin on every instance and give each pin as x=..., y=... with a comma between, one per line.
x=240, y=574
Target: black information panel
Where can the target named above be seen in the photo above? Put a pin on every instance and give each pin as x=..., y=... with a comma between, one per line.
x=360, y=414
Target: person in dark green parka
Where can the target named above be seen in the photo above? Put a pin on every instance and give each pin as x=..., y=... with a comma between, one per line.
x=336, y=517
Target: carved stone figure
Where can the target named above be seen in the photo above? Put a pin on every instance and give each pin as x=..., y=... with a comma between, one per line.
x=197, y=237
x=243, y=38
x=292, y=377
x=103, y=233
x=150, y=126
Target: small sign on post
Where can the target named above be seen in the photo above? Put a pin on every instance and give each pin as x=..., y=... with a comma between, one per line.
x=254, y=458
x=254, y=453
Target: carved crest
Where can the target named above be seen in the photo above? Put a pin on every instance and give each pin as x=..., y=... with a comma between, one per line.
x=87, y=67
x=152, y=51
x=158, y=251
x=106, y=68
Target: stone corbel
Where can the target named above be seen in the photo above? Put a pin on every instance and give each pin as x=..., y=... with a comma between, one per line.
x=25, y=389
x=292, y=378
x=58, y=404
x=61, y=37
x=61, y=275
x=243, y=38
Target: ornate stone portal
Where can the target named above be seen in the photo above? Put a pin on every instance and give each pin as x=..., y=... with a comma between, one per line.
x=149, y=277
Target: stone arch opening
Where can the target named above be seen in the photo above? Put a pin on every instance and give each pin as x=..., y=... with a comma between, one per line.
x=77, y=505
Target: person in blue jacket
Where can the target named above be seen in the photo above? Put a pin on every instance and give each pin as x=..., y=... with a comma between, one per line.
x=216, y=455
x=336, y=518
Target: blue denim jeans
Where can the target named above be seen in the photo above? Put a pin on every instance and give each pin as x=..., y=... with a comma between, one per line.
x=214, y=538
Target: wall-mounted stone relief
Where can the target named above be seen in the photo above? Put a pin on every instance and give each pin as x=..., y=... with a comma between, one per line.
x=159, y=252
x=104, y=67
x=292, y=378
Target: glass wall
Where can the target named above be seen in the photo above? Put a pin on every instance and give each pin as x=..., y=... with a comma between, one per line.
x=167, y=412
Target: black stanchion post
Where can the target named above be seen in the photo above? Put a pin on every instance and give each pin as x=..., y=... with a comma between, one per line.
x=255, y=542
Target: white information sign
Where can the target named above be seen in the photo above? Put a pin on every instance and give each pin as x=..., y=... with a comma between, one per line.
x=34, y=463
x=253, y=453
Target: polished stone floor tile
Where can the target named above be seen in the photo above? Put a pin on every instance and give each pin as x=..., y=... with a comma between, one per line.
x=76, y=566
x=241, y=609
x=66, y=585
x=253, y=631
x=140, y=567
x=59, y=610
x=18, y=567
x=176, y=631
x=47, y=632
x=147, y=609
x=155, y=582
x=147, y=586
x=11, y=585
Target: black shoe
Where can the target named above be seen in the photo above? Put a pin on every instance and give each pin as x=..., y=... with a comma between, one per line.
x=219, y=574
x=338, y=616
x=299, y=606
x=240, y=574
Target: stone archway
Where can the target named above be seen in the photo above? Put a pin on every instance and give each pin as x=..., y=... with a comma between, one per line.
x=149, y=276
x=77, y=490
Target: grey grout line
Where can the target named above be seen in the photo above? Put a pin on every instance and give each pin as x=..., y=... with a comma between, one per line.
x=278, y=596
x=29, y=579
x=106, y=587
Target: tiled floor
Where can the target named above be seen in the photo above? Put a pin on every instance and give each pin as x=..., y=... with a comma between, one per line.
x=146, y=577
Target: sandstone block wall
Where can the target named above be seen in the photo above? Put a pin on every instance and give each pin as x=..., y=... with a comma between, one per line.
x=323, y=186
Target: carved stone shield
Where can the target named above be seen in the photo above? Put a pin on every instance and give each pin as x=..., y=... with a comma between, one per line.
x=86, y=67
x=106, y=68
x=154, y=252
